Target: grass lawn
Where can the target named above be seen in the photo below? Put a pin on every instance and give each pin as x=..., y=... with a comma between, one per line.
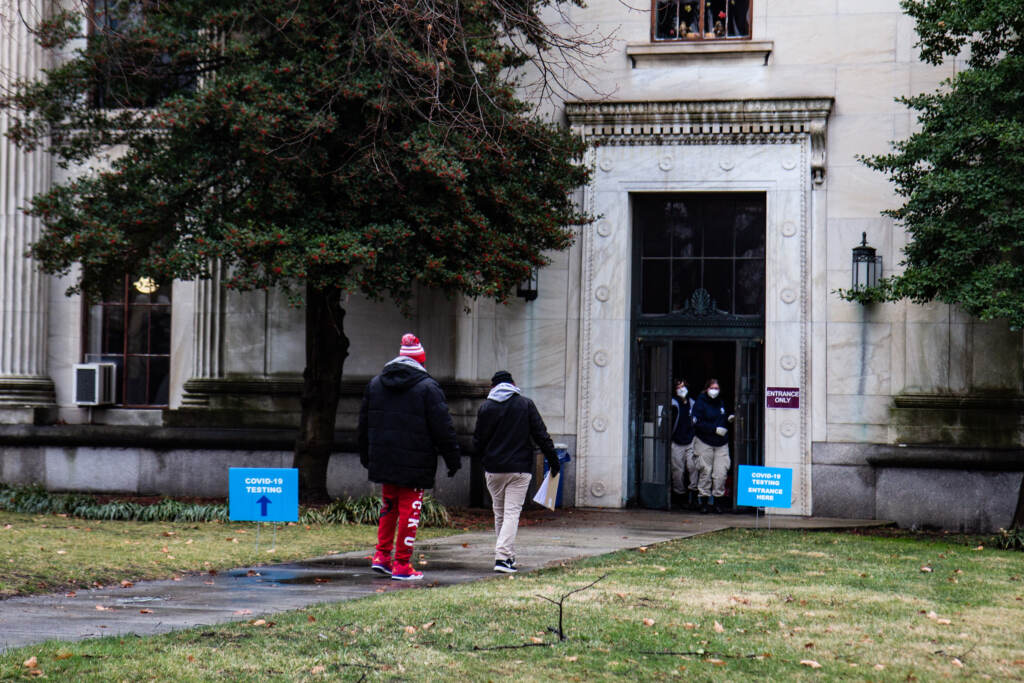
x=736, y=605
x=42, y=553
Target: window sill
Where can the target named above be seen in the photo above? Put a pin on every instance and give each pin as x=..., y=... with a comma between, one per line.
x=751, y=51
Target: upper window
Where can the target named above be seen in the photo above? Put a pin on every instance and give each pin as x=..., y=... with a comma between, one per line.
x=701, y=254
x=136, y=73
x=701, y=19
x=131, y=328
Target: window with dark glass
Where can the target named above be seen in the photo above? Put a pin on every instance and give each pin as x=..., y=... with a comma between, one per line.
x=136, y=74
x=131, y=328
x=696, y=243
x=701, y=19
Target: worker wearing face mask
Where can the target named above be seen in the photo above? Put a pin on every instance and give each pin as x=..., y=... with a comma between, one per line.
x=711, y=425
x=683, y=460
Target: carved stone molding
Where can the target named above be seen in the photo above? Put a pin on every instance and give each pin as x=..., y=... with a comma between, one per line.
x=707, y=122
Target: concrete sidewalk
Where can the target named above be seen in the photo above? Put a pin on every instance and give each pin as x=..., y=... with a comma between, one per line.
x=249, y=592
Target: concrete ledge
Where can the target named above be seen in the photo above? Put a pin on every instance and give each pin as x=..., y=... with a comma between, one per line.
x=947, y=458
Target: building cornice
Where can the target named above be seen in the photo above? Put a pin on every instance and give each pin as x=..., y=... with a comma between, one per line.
x=689, y=122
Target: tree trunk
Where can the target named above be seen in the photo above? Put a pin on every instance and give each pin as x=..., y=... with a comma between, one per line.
x=326, y=351
x=1018, y=514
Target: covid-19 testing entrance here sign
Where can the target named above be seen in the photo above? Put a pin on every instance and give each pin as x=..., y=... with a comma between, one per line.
x=764, y=487
x=263, y=494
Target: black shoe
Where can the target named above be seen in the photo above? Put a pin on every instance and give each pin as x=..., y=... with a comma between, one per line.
x=505, y=566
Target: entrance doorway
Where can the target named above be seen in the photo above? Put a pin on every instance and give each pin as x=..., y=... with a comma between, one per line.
x=738, y=365
x=698, y=311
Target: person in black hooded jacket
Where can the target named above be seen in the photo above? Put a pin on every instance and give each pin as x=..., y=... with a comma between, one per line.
x=404, y=424
x=507, y=426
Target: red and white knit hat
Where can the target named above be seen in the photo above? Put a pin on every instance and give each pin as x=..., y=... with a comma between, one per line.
x=412, y=348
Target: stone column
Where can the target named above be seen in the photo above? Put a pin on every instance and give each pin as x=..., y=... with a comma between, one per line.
x=208, y=338
x=23, y=289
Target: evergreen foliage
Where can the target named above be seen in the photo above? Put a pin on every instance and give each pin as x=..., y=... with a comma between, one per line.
x=35, y=500
x=962, y=173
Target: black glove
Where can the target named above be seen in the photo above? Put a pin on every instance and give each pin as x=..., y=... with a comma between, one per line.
x=555, y=468
x=452, y=471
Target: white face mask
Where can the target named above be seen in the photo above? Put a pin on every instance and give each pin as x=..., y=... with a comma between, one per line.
x=713, y=393
x=681, y=392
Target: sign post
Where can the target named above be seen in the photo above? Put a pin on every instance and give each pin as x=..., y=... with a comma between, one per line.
x=263, y=494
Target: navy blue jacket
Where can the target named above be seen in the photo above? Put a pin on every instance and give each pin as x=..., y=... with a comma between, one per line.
x=403, y=425
x=682, y=432
x=708, y=414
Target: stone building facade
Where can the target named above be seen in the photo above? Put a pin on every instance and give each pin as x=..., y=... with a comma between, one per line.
x=729, y=198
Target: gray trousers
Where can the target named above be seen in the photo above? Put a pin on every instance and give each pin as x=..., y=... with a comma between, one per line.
x=713, y=465
x=508, y=493
x=684, y=462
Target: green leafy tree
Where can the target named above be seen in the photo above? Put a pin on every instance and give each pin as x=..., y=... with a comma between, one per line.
x=318, y=146
x=961, y=175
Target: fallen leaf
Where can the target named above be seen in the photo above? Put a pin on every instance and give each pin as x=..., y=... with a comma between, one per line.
x=259, y=622
x=188, y=542
x=101, y=608
x=213, y=572
x=811, y=663
x=243, y=611
x=716, y=662
x=980, y=547
x=63, y=655
x=535, y=639
x=957, y=662
x=410, y=630
x=318, y=669
x=208, y=583
x=252, y=572
x=70, y=594
x=427, y=626
x=126, y=584
x=30, y=663
x=719, y=628
x=62, y=552
x=164, y=550
x=943, y=622
x=447, y=629
x=572, y=659
x=932, y=615
x=35, y=672
x=321, y=580
x=465, y=545
x=642, y=549
x=648, y=621
x=311, y=618
x=8, y=526
x=145, y=611
x=879, y=667
x=719, y=561
x=191, y=658
x=809, y=646
x=689, y=626
x=925, y=569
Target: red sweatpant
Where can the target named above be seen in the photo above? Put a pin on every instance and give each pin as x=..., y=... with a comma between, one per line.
x=401, y=510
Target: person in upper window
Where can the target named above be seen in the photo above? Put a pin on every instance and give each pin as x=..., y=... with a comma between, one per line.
x=711, y=426
x=684, y=462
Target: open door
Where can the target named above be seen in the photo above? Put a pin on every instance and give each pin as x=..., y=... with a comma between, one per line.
x=654, y=428
x=749, y=441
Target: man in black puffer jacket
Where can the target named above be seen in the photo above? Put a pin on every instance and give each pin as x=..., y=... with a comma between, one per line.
x=403, y=424
x=505, y=425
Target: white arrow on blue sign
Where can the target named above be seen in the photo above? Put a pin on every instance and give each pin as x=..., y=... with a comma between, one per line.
x=263, y=494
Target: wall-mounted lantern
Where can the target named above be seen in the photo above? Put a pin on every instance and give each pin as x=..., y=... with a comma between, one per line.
x=528, y=287
x=867, y=266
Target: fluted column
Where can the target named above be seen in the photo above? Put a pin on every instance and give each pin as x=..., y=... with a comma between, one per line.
x=207, y=337
x=23, y=289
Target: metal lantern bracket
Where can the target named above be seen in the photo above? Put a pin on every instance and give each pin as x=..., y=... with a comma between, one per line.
x=529, y=288
x=867, y=265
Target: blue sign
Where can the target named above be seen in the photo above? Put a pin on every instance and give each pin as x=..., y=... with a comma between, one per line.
x=263, y=494
x=764, y=487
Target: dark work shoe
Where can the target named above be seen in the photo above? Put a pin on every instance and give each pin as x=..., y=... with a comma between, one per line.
x=506, y=566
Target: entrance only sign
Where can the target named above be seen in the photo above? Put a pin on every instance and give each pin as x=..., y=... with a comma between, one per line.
x=263, y=494
x=762, y=487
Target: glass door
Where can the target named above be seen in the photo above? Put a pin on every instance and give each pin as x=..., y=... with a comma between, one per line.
x=749, y=429
x=654, y=419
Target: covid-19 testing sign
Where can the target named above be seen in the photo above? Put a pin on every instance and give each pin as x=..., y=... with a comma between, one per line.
x=263, y=494
x=764, y=487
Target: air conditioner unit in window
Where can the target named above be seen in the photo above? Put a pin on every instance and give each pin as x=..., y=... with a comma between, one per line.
x=95, y=384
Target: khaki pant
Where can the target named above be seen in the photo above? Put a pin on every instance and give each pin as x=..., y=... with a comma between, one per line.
x=713, y=467
x=684, y=462
x=508, y=493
